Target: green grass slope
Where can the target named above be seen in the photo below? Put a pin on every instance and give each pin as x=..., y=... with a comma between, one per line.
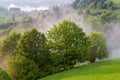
x=107, y=70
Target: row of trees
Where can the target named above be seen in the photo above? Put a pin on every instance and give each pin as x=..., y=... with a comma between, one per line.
x=35, y=55
x=94, y=4
x=98, y=13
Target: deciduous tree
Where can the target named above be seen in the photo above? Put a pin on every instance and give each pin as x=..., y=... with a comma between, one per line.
x=98, y=47
x=69, y=40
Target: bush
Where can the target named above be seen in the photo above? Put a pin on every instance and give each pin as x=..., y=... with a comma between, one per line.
x=21, y=68
x=4, y=75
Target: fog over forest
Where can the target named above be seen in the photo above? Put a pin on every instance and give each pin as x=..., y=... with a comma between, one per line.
x=34, y=3
x=39, y=38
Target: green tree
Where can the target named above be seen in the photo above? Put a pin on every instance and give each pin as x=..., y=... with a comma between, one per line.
x=22, y=68
x=68, y=40
x=8, y=45
x=33, y=46
x=98, y=46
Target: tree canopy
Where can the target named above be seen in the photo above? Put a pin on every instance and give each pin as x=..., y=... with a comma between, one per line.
x=69, y=40
x=98, y=46
x=32, y=45
x=8, y=45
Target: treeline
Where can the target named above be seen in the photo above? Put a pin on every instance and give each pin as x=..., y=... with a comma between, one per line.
x=34, y=55
x=98, y=13
x=96, y=4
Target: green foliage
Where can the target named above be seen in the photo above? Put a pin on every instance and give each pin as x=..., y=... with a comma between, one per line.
x=8, y=45
x=96, y=4
x=57, y=62
x=98, y=46
x=32, y=45
x=107, y=70
x=4, y=75
x=107, y=17
x=99, y=12
x=22, y=68
x=69, y=40
x=117, y=3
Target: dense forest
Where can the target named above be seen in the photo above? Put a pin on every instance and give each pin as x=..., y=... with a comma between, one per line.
x=36, y=44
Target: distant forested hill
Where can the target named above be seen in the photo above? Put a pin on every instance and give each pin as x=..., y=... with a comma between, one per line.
x=34, y=3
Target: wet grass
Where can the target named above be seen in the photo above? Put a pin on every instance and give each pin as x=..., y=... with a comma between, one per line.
x=107, y=70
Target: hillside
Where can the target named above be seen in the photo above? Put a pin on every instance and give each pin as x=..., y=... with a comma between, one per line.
x=107, y=70
x=33, y=3
x=100, y=16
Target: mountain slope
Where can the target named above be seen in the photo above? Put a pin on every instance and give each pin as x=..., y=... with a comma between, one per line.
x=107, y=70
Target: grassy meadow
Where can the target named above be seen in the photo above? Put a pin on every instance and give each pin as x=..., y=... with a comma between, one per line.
x=107, y=70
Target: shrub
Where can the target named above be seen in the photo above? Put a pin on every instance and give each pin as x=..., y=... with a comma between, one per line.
x=4, y=75
x=21, y=68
